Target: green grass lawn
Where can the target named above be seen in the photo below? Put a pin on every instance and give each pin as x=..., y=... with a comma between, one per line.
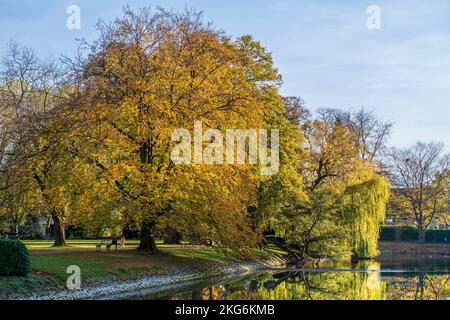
x=46, y=245
x=49, y=267
x=36, y=245
x=94, y=264
x=49, y=264
x=49, y=260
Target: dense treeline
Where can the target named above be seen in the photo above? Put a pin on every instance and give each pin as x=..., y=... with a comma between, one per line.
x=88, y=142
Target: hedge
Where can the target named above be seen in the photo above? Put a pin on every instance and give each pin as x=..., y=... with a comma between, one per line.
x=14, y=258
x=387, y=234
x=407, y=233
x=410, y=234
x=440, y=236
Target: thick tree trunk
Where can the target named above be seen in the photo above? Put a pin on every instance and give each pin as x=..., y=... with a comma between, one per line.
x=59, y=232
x=16, y=230
x=422, y=234
x=172, y=236
x=420, y=289
x=146, y=235
x=147, y=240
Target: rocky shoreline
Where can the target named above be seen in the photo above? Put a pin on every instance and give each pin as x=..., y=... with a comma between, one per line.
x=115, y=289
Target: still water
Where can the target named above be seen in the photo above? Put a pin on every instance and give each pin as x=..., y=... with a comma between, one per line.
x=390, y=278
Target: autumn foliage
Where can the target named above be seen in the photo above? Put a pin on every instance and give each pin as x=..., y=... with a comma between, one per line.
x=88, y=143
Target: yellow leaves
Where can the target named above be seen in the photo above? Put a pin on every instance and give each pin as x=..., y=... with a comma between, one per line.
x=366, y=205
x=142, y=92
x=110, y=139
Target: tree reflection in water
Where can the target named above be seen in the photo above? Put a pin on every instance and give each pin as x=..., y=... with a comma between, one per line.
x=307, y=285
x=419, y=286
x=364, y=282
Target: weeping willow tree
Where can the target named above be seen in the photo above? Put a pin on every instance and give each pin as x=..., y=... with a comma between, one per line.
x=333, y=224
x=366, y=210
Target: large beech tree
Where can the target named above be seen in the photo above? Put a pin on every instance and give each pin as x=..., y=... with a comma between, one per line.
x=148, y=74
x=95, y=145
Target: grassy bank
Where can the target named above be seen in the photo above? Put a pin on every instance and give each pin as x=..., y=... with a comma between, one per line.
x=49, y=264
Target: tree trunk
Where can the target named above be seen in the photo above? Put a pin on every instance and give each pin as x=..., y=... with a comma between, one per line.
x=172, y=236
x=147, y=240
x=197, y=295
x=422, y=234
x=16, y=230
x=146, y=235
x=59, y=232
x=420, y=287
x=48, y=227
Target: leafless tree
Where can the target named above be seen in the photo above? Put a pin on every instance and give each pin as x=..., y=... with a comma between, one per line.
x=371, y=132
x=419, y=175
x=296, y=112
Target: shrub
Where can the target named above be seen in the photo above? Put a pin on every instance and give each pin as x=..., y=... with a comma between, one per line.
x=14, y=258
x=438, y=236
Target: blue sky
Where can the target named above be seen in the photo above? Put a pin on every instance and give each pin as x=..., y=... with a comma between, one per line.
x=323, y=49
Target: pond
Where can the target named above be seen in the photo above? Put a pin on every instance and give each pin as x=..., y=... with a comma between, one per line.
x=390, y=278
